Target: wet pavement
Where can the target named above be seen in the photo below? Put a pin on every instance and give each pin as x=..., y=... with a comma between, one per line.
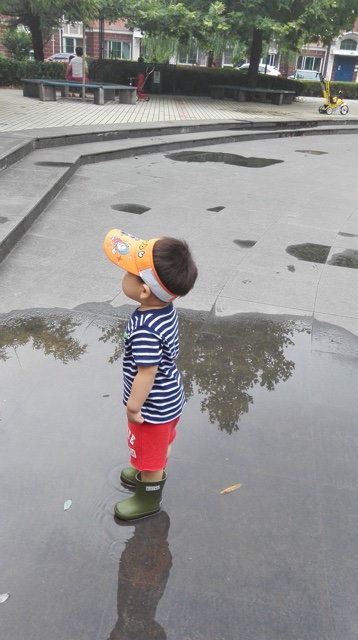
x=269, y=360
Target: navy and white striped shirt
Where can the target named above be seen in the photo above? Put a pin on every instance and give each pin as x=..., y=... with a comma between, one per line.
x=151, y=338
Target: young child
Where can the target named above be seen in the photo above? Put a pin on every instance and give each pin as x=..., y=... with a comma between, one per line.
x=157, y=272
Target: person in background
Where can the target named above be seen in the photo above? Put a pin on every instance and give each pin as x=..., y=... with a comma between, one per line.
x=74, y=68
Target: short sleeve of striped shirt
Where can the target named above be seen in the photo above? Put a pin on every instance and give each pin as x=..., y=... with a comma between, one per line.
x=146, y=348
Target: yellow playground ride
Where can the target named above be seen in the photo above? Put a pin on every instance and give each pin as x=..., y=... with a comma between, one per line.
x=331, y=102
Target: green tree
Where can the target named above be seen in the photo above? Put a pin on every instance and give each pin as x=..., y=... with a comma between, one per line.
x=39, y=17
x=291, y=22
x=177, y=22
x=17, y=42
x=251, y=22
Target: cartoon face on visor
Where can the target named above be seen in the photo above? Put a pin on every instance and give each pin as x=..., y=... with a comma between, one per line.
x=136, y=256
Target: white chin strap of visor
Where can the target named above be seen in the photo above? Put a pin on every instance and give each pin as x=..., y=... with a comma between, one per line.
x=150, y=279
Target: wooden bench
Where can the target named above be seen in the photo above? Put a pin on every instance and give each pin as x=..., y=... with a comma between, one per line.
x=45, y=90
x=275, y=96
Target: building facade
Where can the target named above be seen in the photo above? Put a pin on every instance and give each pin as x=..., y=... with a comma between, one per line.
x=337, y=62
x=112, y=40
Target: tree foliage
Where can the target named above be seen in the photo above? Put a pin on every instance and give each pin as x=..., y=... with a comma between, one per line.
x=42, y=17
x=18, y=42
x=39, y=17
x=251, y=22
x=212, y=24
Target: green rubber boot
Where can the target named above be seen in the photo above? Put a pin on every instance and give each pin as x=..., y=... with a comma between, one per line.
x=128, y=476
x=146, y=501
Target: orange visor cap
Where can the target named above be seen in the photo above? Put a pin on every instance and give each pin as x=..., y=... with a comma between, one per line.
x=136, y=256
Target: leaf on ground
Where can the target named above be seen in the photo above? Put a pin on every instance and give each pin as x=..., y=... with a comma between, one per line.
x=4, y=597
x=67, y=505
x=228, y=489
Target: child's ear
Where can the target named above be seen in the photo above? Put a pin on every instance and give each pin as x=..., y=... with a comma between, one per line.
x=145, y=291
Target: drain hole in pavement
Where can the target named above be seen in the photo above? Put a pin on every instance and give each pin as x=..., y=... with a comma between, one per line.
x=349, y=259
x=312, y=152
x=309, y=252
x=129, y=207
x=53, y=164
x=226, y=158
x=245, y=244
x=3, y=219
x=217, y=209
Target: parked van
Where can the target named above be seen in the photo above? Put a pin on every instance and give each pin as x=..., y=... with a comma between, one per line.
x=305, y=74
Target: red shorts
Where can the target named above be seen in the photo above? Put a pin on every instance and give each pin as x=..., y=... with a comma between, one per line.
x=70, y=77
x=148, y=444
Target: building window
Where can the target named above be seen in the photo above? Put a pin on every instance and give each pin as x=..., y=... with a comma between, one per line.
x=227, y=57
x=117, y=49
x=272, y=60
x=72, y=29
x=349, y=45
x=70, y=44
x=311, y=63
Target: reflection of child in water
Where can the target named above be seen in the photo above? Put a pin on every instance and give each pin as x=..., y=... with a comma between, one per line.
x=142, y=578
x=157, y=271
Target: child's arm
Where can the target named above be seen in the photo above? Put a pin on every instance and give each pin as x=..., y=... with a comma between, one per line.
x=141, y=387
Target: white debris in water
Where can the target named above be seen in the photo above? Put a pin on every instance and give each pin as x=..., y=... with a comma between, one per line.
x=4, y=597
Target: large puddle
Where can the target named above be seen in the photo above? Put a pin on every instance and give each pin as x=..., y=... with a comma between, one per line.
x=214, y=365
x=310, y=252
x=222, y=157
x=262, y=392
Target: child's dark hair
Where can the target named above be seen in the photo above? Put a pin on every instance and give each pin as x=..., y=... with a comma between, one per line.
x=79, y=51
x=174, y=265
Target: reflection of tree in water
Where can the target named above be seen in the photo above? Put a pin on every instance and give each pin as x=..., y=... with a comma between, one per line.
x=229, y=357
x=226, y=358
x=115, y=335
x=52, y=335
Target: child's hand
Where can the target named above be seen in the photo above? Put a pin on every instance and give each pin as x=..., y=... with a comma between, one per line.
x=135, y=417
x=141, y=387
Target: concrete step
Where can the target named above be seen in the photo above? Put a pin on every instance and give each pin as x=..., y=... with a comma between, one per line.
x=34, y=170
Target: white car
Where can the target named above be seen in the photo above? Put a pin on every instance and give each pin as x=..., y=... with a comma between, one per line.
x=305, y=74
x=61, y=57
x=263, y=68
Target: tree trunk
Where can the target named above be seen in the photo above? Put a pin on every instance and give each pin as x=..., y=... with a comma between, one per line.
x=84, y=61
x=36, y=36
x=255, y=55
x=210, y=59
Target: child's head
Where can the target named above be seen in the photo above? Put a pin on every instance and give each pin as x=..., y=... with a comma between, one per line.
x=164, y=264
x=79, y=51
x=174, y=265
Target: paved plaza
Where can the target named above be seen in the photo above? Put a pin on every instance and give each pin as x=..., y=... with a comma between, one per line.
x=19, y=114
x=267, y=198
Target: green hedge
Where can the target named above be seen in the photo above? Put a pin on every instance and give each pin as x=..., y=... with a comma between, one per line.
x=175, y=80
x=11, y=71
x=313, y=88
x=180, y=79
